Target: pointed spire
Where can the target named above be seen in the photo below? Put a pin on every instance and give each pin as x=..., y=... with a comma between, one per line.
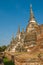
x=23, y=30
x=32, y=22
x=32, y=18
x=18, y=34
x=13, y=36
x=18, y=29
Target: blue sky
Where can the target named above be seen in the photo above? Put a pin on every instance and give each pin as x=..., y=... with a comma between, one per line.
x=14, y=13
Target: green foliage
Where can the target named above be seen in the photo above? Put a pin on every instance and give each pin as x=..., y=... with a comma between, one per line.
x=2, y=48
x=7, y=62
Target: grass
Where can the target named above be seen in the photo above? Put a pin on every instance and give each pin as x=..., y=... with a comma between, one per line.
x=7, y=62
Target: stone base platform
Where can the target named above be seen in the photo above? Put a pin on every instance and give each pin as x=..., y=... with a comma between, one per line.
x=27, y=59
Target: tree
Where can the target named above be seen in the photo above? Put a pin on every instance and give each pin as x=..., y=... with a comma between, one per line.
x=2, y=48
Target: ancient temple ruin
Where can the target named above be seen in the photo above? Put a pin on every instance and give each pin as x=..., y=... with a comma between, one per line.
x=28, y=43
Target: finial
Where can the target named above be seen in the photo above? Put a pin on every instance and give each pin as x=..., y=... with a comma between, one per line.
x=23, y=30
x=13, y=36
x=31, y=12
x=18, y=29
x=30, y=5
